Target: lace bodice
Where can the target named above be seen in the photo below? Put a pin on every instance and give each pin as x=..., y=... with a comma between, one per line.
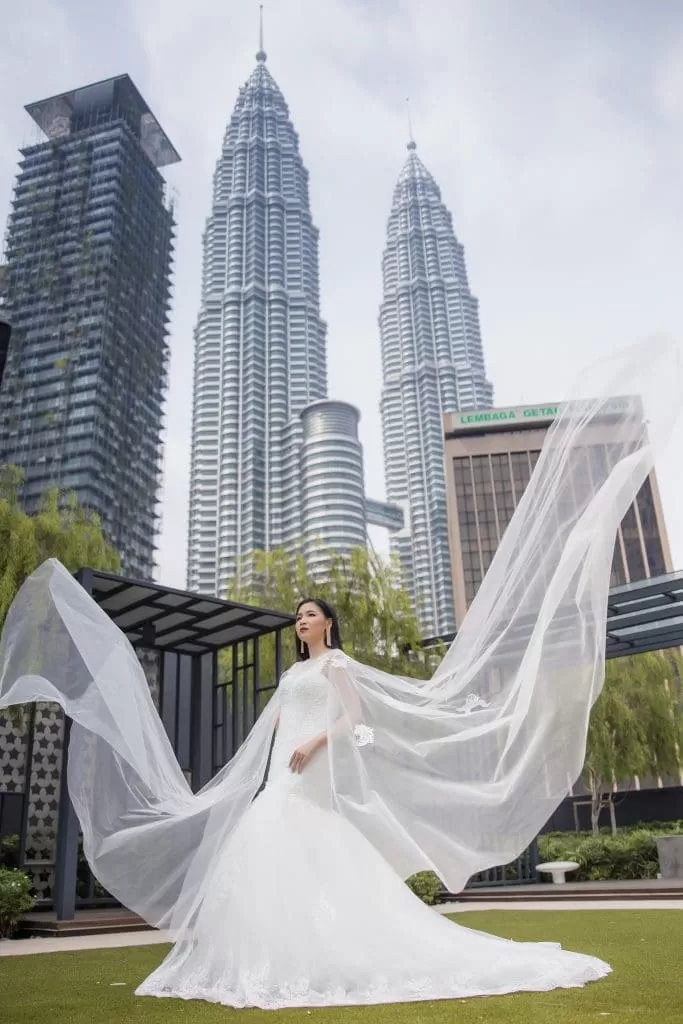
x=306, y=701
x=304, y=692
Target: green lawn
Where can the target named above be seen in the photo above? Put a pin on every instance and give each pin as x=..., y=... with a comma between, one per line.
x=644, y=948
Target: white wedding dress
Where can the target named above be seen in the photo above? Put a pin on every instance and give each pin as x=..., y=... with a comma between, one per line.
x=303, y=911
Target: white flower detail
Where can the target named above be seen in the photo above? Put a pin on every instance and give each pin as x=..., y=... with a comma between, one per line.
x=472, y=701
x=363, y=735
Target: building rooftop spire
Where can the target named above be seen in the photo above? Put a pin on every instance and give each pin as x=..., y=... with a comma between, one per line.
x=411, y=141
x=261, y=55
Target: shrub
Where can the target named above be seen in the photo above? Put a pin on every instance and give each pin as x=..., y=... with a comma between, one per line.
x=426, y=885
x=659, y=827
x=9, y=851
x=15, y=899
x=631, y=854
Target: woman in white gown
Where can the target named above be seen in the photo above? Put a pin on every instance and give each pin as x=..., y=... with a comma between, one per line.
x=294, y=896
x=305, y=912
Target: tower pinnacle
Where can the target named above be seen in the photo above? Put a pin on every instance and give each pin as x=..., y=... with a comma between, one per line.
x=261, y=55
x=412, y=145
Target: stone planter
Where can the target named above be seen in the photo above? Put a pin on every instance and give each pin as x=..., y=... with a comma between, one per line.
x=670, y=853
x=558, y=869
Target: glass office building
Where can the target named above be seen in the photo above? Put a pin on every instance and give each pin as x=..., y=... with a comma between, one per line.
x=87, y=290
x=490, y=457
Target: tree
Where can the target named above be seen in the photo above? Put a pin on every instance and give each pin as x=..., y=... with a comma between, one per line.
x=614, y=749
x=378, y=624
x=655, y=695
x=60, y=529
x=635, y=729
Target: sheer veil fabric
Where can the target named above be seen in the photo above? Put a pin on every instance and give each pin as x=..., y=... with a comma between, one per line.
x=456, y=774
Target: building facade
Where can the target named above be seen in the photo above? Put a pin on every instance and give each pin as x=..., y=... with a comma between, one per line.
x=432, y=364
x=490, y=456
x=5, y=335
x=260, y=343
x=5, y=325
x=331, y=482
x=87, y=290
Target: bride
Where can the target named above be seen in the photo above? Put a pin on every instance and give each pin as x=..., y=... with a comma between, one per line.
x=291, y=893
x=306, y=912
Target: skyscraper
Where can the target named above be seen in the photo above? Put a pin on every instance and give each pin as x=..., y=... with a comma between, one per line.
x=432, y=363
x=87, y=290
x=260, y=356
x=333, y=508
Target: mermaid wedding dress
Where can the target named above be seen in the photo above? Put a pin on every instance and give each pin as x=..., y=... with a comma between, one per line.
x=303, y=911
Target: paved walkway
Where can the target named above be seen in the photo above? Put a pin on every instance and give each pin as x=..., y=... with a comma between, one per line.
x=73, y=943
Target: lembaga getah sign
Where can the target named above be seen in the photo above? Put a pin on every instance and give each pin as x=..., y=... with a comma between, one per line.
x=540, y=414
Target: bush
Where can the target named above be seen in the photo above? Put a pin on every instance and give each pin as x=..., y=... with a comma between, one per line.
x=632, y=854
x=426, y=885
x=9, y=851
x=15, y=899
x=660, y=827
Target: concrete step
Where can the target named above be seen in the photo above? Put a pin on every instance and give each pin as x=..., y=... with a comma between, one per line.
x=560, y=892
x=85, y=923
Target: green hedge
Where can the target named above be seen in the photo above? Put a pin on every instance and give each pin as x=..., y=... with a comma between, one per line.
x=426, y=885
x=15, y=899
x=9, y=851
x=631, y=854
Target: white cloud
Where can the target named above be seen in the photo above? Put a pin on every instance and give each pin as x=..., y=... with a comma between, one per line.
x=28, y=38
x=553, y=130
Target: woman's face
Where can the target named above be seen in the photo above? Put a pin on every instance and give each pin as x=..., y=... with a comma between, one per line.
x=311, y=623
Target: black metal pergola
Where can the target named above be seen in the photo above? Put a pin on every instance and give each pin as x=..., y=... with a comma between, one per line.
x=206, y=718
x=207, y=709
x=645, y=616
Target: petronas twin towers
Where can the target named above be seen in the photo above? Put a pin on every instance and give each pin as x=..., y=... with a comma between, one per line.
x=432, y=364
x=260, y=355
x=274, y=463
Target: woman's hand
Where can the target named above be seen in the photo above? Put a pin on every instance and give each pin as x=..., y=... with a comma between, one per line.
x=302, y=755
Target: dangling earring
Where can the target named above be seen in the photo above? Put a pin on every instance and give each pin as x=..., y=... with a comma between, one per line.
x=303, y=647
x=328, y=634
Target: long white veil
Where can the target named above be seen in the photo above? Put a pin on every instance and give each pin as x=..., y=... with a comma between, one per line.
x=457, y=774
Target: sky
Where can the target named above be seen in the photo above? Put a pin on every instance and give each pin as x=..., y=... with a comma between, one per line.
x=553, y=128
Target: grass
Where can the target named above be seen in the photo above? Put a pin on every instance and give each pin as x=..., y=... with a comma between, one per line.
x=644, y=948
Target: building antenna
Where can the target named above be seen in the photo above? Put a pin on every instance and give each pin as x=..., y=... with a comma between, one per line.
x=261, y=55
x=411, y=142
